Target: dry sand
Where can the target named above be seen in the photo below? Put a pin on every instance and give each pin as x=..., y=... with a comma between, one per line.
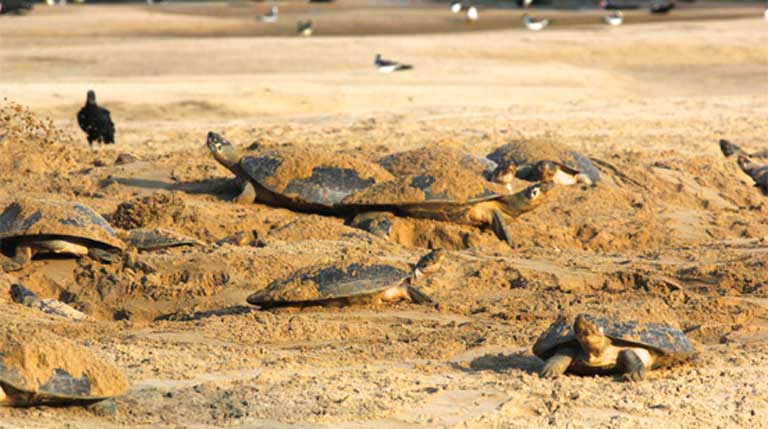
x=672, y=226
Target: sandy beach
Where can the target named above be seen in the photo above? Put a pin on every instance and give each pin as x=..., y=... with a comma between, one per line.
x=672, y=226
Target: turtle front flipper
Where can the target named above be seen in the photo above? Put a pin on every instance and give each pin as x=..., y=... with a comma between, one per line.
x=247, y=193
x=103, y=255
x=377, y=223
x=21, y=259
x=417, y=296
x=556, y=365
x=631, y=364
x=500, y=227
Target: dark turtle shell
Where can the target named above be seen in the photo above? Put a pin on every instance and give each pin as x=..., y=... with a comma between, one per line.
x=530, y=152
x=38, y=367
x=34, y=218
x=658, y=337
x=312, y=176
x=316, y=284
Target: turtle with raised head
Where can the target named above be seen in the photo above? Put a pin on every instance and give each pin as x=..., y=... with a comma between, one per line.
x=592, y=345
x=731, y=149
x=30, y=227
x=299, y=178
x=542, y=160
x=450, y=195
x=40, y=368
x=758, y=172
x=349, y=283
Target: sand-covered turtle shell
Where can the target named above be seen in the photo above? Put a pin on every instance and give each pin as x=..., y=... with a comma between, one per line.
x=431, y=174
x=320, y=283
x=41, y=218
x=38, y=367
x=312, y=175
x=435, y=158
x=530, y=152
x=661, y=338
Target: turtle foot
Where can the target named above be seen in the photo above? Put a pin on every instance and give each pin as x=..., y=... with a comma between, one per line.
x=103, y=408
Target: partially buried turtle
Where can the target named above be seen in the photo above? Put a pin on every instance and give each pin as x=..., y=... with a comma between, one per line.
x=601, y=346
x=299, y=178
x=349, y=283
x=24, y=296
x=541, y=160
x=758, y=173
x=40, y=368
x=451, y=194
x=29, y=227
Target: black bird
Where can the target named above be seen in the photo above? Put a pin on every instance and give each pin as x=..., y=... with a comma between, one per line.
x=96, y=122
x=662, y=7
x=14, y=6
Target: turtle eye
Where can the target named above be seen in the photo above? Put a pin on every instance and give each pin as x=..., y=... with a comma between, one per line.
x=535, y=192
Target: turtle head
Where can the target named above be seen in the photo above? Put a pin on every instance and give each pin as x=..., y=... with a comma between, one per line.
x=504, y=173
x=90, y=97
x=729, y=149
x=222, y=150
x=590, y=336
x=547, y=170
x=535, y=194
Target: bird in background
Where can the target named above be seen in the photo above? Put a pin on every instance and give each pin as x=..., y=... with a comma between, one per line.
x=96, y=121
x=389, y=66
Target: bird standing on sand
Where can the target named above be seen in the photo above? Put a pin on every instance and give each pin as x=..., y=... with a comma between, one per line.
x=304, y=28
x=271, y=15
x=388, y=66
x=457, y=7
x=472, y=14
x=660, y=7
x=534, y=24
x=96, y=122
x=615, y=19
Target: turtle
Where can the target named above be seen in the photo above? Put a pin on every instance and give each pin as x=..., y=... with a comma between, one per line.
x=299, y=178
x=149, y=239
x=593, y=345
x=729, y=149
x=349, y=283
x=29, y=227
x=24, y=296
x=523, y=160
x=451, y=195
x=38, y=367
x=758, y=173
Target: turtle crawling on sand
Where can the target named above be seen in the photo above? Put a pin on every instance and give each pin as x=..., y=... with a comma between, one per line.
x=29, y=227
x=349, y=283
x=600, y=346
x=40, y=368
x=758, y=173
x=523, y=159
x=299, y=178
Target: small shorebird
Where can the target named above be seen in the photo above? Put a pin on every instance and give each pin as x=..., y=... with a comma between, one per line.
x=534, y=24
x=304, y=28
x=472, y=14
x=615, y=19
x=271, y=15
x=457, y=7
x=388, y=66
